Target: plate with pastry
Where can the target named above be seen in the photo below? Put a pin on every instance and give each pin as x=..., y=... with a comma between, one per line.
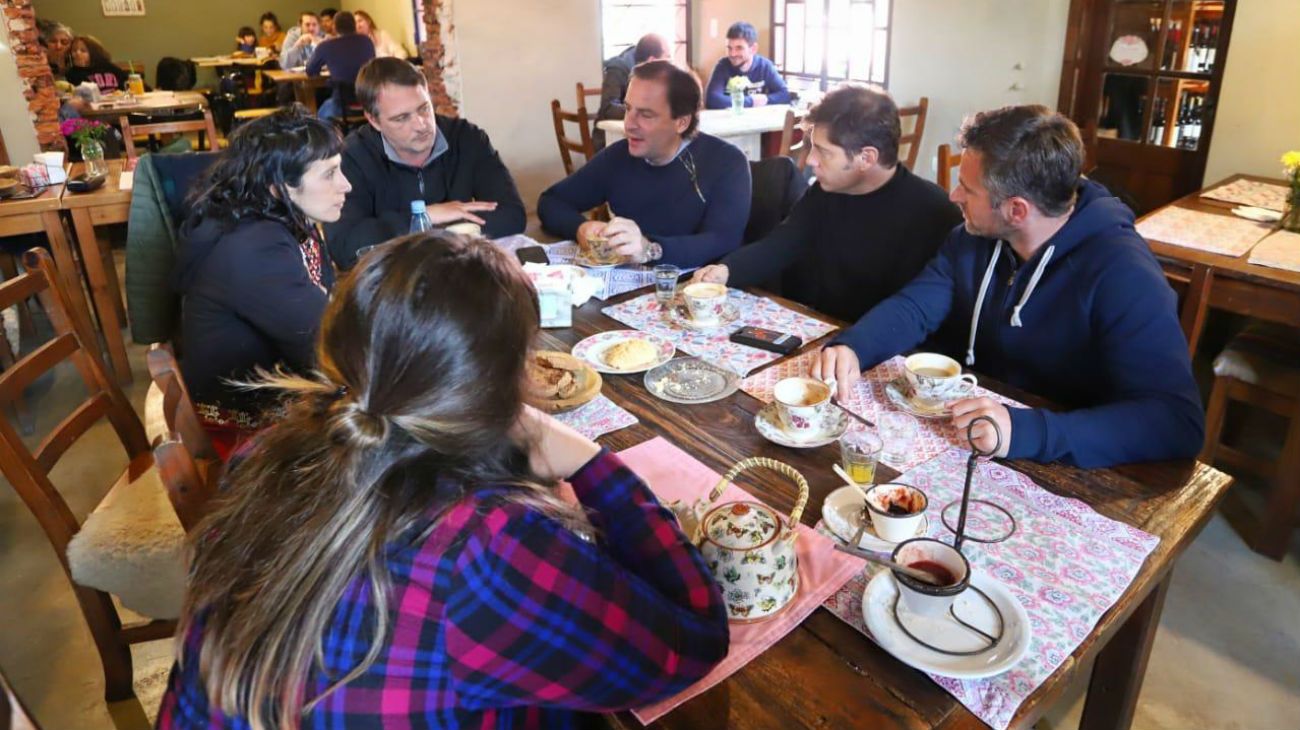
x=623, y=352
x=558, y=381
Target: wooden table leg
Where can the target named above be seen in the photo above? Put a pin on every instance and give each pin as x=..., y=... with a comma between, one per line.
x=1197, y=305
x=306, y=94
x=1122, y=665
x=66, y=263
x=103, y=289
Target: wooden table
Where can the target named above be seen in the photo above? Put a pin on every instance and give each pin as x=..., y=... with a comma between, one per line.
x=826, y=674
x=1224, y=282
x=744, y=130
x=108, y=204
x=153, y=101
x=229, y=60
x=304, y=86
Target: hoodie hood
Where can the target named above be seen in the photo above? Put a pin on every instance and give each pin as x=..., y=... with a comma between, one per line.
x=198, y=237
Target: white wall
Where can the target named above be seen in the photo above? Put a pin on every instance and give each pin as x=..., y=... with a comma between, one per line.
x=1259, y=107
x=15, y=119
x=964, y=57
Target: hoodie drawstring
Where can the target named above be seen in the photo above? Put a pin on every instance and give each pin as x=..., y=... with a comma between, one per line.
x=1029, y=290
x=979, y=304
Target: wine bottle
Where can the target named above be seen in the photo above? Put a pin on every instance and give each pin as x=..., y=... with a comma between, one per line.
x=1189, y=62
x=1180, y=118
x=1157, y=122
x=1213, y=44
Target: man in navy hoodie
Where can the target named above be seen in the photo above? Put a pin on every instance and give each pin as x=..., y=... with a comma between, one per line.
x=743, y=59
x=1049, y=288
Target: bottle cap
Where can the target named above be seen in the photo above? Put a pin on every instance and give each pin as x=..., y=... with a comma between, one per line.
x=417, y=206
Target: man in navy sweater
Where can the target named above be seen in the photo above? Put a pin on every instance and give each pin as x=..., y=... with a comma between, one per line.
x=743, y=59
x=676, y=195
x=1049, y=288
x=343, y=56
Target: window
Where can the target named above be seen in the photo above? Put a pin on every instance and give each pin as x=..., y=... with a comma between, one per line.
x=819, y=43
x=421, y=30
x=623, y=22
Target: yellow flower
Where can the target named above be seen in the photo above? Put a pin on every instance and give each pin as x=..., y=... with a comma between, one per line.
x=1291, y=161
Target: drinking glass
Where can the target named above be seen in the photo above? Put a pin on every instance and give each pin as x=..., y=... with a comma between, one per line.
x=859, y=452
x=897, y=431
x=666, y=283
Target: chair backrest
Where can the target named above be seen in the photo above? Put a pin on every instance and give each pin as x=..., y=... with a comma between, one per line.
x=176, y=74
x=131, y=131
x=585, y=91
x=777, y=186
x=28, y=470
x=187, y=462
x=582, y=145
x=911, y=140
x=948, y=161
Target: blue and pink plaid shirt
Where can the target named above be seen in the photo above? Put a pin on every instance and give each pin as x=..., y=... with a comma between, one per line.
x=503, y=618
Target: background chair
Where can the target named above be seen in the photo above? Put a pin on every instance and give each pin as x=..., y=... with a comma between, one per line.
x=132, y=545
x=909, y=144
x=582, y=145
x=795, y=149
x=948, y=161
x=187, y=462
x=583, y=92
x=203, y=124
x=777, y=186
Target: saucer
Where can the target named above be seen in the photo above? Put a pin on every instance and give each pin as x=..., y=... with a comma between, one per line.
x=593, y=350
x=583, y=258
x=841, y=511
x=834, y=422
x=896, y=389
x=942, y=630
x=682, y=316
x=691, y=380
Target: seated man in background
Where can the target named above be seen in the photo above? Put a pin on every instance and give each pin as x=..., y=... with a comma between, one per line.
x=343, y=56
x=618, y=70
x=408, y=153
x=327, y=22
x=863, y=230
x=676, y=194
x=1048, y=288
x=301, y=41
x=743, y=59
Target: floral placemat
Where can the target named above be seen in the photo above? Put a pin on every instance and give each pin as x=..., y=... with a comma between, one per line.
x=1221, y=234
x=1251, y=192
x=597, y=418
x=713, y=346
x=1066, y=564
x=933, y=435
x=1281, y=250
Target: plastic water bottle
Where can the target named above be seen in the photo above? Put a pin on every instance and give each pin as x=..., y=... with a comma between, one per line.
x=419, y=217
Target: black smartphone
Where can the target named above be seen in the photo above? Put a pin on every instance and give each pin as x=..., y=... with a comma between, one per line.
x=532, y=255
x=765, y=339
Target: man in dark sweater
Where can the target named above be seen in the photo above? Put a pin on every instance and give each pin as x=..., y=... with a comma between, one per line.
x=343, y=56
x=863, y=230
x=617, y=72
x=1052, y=291
x=742, y=59
x=408, y=153
x=676, y=195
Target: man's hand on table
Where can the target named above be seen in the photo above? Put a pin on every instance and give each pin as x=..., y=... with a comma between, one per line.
x=839, y=362
x=712, y=274
x=456, y=210
x=625, y=238
x=587, y=230
x=758, y=99
x=966, y=410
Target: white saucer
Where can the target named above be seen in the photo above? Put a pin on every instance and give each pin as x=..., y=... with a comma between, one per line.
x=583, y=259
x=682, y=316
x=593, y=350
x=896, y=389
x=834, y=422
x=841, y=511
x=942, y=630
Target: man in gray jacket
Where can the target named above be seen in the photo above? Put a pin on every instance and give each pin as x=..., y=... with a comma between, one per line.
x=617, y=71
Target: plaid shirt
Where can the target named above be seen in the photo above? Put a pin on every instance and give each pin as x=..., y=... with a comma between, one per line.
x=502, y=618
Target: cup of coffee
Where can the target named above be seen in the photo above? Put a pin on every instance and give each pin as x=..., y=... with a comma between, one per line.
x=946, y=564
x=936, y=378
x=705, y=302
x=896, y=510
x=799, y=402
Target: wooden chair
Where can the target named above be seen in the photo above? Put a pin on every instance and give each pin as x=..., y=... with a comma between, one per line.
x=13, y=715
x=948, y=161
x=585, y=91
x=796, y=150
x=187, y=462
x=132, y=545
x=203, y=126
x=912, y=139
x=1261, y=368
x=582, y=145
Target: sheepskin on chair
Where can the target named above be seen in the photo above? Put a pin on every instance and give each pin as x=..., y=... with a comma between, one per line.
x=155, y=421
x=133, y=546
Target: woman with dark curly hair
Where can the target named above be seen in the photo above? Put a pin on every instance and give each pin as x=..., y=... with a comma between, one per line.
x=252, y=268
x=88, y=60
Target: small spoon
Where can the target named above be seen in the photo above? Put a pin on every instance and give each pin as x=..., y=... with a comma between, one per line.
x=880, y=559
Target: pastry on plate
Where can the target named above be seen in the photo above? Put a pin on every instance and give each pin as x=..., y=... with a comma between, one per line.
x=547, y=379
x=630, y=354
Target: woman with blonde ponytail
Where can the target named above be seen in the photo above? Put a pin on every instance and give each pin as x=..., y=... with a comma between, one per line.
x=392, y=553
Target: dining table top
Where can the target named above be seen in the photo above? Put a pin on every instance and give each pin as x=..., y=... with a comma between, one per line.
x=150, y=101
x=729, y=123
x=110, y=193
x=293, y=74
x=824, y=673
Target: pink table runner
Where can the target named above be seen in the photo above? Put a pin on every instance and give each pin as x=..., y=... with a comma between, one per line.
x=1281, y=250
x=712, y=346
x=1251, y=192
x=673, y=474
x=933, y=437
x=1066, y=564
x=597, y=418
x=1221, y=234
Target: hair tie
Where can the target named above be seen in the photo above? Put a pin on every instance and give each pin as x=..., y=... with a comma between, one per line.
x=341, y=391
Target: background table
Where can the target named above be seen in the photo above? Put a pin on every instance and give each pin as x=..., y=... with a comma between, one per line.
x=744, y=130
x=826, y=674
x=304, y=86
x=153, y=101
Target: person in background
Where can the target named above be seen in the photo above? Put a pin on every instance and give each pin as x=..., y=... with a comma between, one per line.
x=344, y=56
x=327, y=22
x=1052, y=291
x=385, y=46
x=272, y=36
x=246, y=40
x=90, y=61
x=617, y=72
x=252, y=269
x=743, y=59
x=57, y=40
x=395, y=551
x=409, y=153
x=301, y=41
x=677, y=195
x=864, y=229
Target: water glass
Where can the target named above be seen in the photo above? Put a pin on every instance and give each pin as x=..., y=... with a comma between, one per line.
x=859, y=452
x=897, y=430
x=666, y=283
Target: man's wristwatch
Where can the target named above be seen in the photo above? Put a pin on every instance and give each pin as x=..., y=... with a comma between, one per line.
x=653, y=251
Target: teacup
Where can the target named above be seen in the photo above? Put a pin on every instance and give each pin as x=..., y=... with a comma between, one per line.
x=939, y=559
x=799, y=402
x=936, y=378
x=705, y=301
x=908, y=508
x=466, y=228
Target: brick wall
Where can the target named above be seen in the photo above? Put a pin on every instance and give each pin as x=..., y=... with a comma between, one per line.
x=439, y=54
x=34, y=71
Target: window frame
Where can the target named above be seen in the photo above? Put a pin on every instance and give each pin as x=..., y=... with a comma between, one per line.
x=824, y=80
x=683, y=6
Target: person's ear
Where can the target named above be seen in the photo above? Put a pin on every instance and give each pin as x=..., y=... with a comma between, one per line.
x=682, y=124
x=868, y=157
x=1016, y=210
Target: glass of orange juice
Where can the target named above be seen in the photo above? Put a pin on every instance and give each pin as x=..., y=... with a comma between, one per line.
x=859, y=452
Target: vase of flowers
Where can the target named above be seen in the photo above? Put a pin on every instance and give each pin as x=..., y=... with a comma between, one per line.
x=88, y=136
x=736, y=87
x=1291, y=167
